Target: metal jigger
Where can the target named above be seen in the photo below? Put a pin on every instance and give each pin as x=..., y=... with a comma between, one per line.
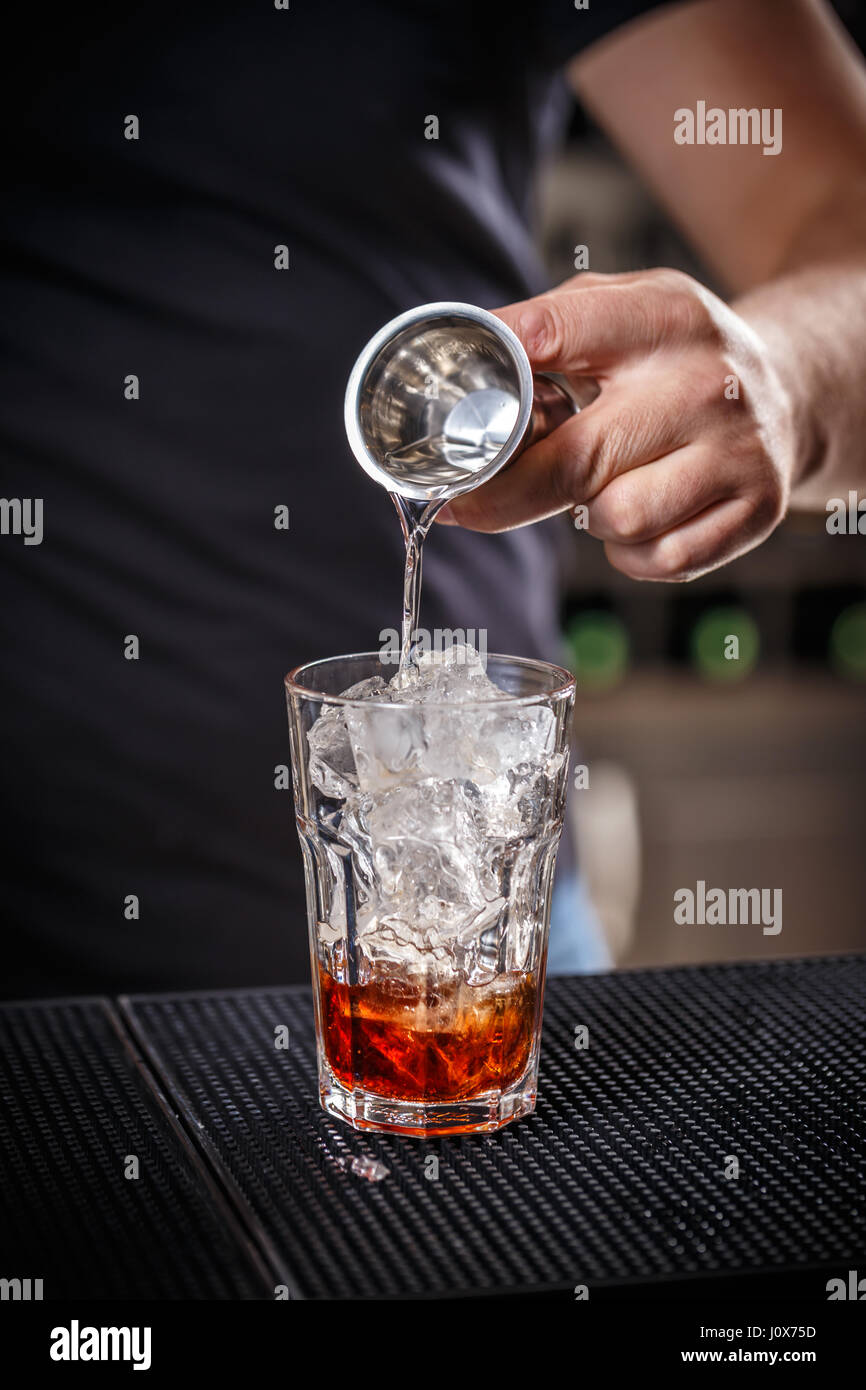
x=442, y=398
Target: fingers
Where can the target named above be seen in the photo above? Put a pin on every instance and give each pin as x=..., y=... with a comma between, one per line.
x=709, y=540
x=596, y=321
x=618, y=432
x=533, y=487
x=648, y=501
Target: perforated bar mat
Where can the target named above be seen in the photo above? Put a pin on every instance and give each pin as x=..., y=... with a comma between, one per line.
x=75, y=1109
x=713, y=1131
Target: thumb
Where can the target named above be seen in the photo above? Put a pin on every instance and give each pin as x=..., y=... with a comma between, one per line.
x=591, y=329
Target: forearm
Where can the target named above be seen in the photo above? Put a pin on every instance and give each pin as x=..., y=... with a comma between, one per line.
x=812, y=317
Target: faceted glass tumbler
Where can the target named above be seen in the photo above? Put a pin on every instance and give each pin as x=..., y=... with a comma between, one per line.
x=429, y=834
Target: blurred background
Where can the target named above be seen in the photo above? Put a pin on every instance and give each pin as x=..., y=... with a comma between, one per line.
x=745, y=773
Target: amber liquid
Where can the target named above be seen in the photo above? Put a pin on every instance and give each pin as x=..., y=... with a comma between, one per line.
x=404, y=1041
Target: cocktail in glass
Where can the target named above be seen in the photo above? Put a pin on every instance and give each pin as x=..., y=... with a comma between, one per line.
x=429, y=807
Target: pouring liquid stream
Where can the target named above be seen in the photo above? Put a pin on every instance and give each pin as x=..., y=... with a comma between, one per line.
x=416, y=518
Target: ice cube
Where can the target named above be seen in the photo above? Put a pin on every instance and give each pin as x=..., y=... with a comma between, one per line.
x=332, y=761
x=406, y=742
x=441, y=799
x=516, y=803
x=427, y=828
x=456, y=674
x=387, y=744
x=370, y=1168
x=432, y=892
x=523, y=735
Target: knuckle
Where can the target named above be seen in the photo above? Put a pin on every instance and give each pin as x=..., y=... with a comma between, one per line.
x=596, y=465
x=689, y=310
x=702, y=317
x=584, y=278
x=667, y=275
x=621, y=557
x=564, y=476
x=547, y=332
x=579, y=469
x=625, y=514
x=674, y=559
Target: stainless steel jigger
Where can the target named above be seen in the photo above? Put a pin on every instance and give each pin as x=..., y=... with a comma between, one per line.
x=442, y=398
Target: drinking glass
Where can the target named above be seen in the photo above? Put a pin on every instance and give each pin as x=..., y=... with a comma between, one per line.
x=429, y=830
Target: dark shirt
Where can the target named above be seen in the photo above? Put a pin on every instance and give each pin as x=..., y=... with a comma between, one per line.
x=155, y=257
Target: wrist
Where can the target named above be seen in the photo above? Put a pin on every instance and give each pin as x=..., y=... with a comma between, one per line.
x=794, y=384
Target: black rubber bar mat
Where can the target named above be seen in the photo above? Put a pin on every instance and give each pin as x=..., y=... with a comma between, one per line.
x=101, y=1194
x=711, y=1134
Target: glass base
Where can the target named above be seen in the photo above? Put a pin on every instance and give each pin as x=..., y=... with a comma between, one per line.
x=423, y=1119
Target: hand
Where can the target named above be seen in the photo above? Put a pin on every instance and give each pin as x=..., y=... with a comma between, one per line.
x=684, y=460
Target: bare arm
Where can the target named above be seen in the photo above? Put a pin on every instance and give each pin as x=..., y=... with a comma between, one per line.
x=786, y=232
x=676, y=472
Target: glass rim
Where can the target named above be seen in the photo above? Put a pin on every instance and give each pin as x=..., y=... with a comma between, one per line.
x=566, y=684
